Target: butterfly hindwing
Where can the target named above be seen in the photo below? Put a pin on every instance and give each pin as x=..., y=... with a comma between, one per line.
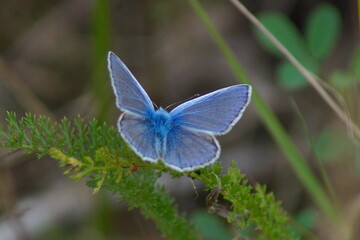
x=187, y=150
x=136, y=131
x=184, y=138
x=216, y=112
x=130, y=96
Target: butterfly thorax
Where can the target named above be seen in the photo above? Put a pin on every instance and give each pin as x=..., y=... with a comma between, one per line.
x=161, y=122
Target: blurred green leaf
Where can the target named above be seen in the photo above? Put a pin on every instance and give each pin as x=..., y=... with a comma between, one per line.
x=290, y=78
x=306, y=220
x=323, y=30
x=342, y=80
x=273, y=124
x=285, y=31
x=210, y=226
x=331, y=143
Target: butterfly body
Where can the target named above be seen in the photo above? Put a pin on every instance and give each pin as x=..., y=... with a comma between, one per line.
x=160, y=123
x=183, y=138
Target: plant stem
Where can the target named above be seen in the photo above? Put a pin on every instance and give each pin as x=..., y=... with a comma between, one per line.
x=274, y=126
x=309, y=76
x=100, y=47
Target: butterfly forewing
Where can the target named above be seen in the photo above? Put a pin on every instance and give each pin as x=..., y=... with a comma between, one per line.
x=187, y=150
x=215, y=112
x=183, y=139
x=130, y=96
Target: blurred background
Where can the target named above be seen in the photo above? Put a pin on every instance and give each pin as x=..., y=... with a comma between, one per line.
x=53, y=62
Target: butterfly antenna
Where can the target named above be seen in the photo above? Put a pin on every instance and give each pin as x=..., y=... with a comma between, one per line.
x=182, y=101
x=156, y=107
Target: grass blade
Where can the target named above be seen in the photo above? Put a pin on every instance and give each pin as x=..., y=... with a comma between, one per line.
x=270, y=120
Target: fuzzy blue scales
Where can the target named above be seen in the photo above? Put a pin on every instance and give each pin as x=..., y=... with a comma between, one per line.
x=183, y=138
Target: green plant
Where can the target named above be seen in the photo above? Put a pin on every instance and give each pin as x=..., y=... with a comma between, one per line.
x=96, y=151
x=100, y=32
x=271, y=122
x=322, y=30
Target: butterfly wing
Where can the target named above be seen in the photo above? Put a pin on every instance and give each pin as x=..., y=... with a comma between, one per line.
x=130, y=96
x=137, y=133
x=216, y=112
x=187, y=150
x=137, y=109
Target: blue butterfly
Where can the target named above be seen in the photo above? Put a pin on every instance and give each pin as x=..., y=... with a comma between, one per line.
x=183, y=138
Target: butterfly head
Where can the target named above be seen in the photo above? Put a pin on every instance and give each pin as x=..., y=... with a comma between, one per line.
x=185, y=139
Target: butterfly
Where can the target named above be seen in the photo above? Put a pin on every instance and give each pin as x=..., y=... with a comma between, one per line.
x=184, y=138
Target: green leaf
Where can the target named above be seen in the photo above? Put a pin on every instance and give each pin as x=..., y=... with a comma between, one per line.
x=331, y=144
x=285, y=31
x=290, y=78
x=272, y=123
x=306, y=220
x=323, y=30
x=96, y=150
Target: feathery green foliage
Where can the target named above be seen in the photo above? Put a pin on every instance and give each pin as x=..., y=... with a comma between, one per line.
x=96, y=150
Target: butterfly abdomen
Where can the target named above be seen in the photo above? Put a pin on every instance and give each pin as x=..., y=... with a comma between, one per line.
x=184, y=138
x=161, y=124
